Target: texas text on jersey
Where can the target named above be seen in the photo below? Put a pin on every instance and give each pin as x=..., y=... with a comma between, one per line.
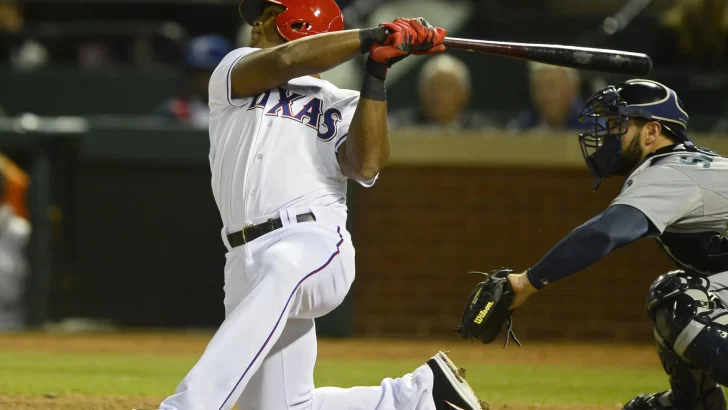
x=288, y=158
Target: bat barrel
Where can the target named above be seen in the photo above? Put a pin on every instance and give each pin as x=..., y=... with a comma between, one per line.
x=610, y=61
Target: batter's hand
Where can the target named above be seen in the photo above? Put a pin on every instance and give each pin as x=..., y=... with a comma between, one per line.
x=429, y=38
x=396, y=46
x=522, y=289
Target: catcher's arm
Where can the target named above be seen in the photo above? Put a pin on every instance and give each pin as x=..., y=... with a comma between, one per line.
x=489, y=309
x=618, y=226
x=490, y=306
x=522, y=288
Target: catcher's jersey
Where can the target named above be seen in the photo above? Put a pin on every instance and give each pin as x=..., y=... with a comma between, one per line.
x=685, y=196
x=278, y=149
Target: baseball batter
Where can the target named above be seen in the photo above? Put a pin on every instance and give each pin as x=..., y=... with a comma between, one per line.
x=677, y=193
x=283, y=143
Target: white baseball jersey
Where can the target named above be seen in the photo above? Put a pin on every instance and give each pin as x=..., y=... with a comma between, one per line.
x=685, y=196
x=278, y=149
x=273, y=155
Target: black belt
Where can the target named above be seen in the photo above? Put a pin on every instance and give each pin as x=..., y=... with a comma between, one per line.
x=252, y=232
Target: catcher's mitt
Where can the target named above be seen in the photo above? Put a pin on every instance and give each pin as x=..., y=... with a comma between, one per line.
x=488, y=310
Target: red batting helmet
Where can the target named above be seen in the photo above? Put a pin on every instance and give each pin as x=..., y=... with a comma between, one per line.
x=300, y=19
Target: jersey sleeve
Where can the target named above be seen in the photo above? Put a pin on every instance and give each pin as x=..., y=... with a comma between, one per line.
x=220, y=92
x=664, y=194
x=348, y=115
x=348, y=111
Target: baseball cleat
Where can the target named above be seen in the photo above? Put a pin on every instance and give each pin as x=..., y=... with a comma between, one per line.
x=450, y=391
x=714, y=400
x=657, y=401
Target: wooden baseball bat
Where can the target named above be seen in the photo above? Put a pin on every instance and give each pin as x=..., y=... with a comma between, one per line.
x=595, y=59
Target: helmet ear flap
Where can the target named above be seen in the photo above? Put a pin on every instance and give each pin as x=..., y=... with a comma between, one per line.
x=299, y=26
x=300, y=18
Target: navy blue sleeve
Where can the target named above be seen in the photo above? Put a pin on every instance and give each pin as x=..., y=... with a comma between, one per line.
x=619, y=225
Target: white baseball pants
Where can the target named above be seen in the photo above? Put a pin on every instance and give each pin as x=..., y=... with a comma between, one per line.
x=263, y=354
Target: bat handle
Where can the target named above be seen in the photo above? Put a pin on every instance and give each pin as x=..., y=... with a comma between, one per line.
x=382, y=34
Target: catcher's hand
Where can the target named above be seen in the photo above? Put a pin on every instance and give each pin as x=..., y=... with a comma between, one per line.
x=488, y=308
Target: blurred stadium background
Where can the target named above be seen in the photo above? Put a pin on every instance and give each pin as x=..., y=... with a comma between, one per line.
x=105, y=147
x=106, y=156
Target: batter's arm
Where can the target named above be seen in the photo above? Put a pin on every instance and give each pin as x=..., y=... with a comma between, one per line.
x=366, y=150
x=263, y=70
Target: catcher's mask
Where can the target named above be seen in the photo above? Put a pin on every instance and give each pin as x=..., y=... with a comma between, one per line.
x=608, y=113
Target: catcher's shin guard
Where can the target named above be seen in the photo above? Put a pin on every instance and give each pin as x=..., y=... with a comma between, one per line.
x=691, y=328
x=657, y=401
x=691, y=388
x=690, y=320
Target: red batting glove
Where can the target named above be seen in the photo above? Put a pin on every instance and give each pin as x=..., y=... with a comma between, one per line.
x=429, y=39
x=396, y=46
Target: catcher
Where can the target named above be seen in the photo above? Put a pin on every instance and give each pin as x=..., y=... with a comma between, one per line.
x=675, y=192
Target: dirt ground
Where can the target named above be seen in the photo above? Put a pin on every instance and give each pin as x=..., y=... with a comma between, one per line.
x=81, y=402
x=194, y=343
x=345, y=349
x=78, y=402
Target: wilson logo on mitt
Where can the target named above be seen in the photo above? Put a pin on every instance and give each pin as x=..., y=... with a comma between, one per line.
x=487, y=310
x=483, y=313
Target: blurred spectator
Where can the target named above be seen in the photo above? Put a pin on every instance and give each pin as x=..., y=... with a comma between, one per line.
x=444, y=93
x=14, y=236
x=555, y=97
x=11, y=23
x=203, y=54
x=694, y=32
x=15, y=187
x=21, y=52
x=95, y=55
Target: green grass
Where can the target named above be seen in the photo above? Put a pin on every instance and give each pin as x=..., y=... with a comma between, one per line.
x=149, y=375
x=518, y=383
x=127, y=374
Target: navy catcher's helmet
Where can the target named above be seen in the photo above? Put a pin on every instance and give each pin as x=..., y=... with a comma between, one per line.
x=602, y=146
x=206, y=52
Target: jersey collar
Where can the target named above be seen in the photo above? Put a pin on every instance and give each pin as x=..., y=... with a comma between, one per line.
x=653, y=157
